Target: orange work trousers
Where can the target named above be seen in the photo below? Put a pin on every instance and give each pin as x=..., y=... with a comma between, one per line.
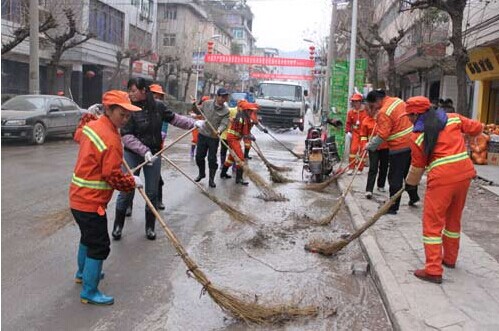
x=443, y=207
x=235, y=145
x=247, y=143
x=195, y=134
x=355, y=152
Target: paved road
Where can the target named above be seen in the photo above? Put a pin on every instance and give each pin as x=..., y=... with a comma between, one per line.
x=148, y=280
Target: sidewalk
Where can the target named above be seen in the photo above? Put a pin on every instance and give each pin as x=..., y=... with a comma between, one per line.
x=468, y=298
x=489, y=173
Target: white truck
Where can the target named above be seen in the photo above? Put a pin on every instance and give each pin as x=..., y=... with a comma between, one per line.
x=282, y=104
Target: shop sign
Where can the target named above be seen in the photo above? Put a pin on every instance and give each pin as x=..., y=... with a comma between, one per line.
x=482, y=64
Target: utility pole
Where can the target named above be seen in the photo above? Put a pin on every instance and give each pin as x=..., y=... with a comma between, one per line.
x=34, y=60
x=353, y=44
x=331, y=58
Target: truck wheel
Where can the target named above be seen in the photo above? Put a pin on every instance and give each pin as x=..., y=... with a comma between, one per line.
x=38, y=135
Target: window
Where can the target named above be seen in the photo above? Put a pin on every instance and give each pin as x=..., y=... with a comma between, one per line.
x=238, y=33
x=68, y=105
x=171, y=13
x=55, y=104
x=12, y=10
x=169, y=39
x=135, y=3
x=146, y=9
x=106, y=23
x=139, y=39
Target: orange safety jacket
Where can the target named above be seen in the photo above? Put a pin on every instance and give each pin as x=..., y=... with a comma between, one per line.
x=394, y=128
x=354, y=120
x=98, y=167
x=449, y=162
x=239, y=126
x=367, y=127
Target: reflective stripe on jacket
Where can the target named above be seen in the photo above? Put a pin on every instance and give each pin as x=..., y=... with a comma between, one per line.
x=449, y=162
x=98, y=167
x=392, y=127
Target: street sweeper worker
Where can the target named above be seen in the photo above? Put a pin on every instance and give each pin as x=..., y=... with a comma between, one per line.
x=247, y=141
x=437, y=145
x=378, y=159
x=239, y=128
x=96, y=174
x=395, y=130
x=197, y=116
x=142, y=138
x=217, y=114
x=355, y=116
x=223, y=136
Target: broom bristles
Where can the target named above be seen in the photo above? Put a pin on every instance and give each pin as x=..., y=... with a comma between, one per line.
x=277, y=177
x=268, y=194
x=233, y=213
x=326, y=248
x=334, y=211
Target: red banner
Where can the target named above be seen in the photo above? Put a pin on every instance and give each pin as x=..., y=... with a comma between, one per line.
x=261, y=75
x=261, y=60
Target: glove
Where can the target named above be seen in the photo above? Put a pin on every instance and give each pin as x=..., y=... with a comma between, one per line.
x=149, y=158
x=349, y=135
x=265, y=130
x=410, y=188
x=251, y=137
x=374, y=143
x=138, y=182
x=199, y=123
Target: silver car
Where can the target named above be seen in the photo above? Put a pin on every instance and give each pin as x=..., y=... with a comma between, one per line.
x=34, y=117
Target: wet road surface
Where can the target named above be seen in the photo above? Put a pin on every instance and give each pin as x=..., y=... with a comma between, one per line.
x=148, y=279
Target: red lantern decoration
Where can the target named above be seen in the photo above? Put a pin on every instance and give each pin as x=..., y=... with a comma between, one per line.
x=90, y=74
x=210, y=47
x=59, y=73
x=312, y=52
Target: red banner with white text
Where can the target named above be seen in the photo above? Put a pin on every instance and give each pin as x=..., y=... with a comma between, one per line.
x=259, y=60
x=261, y=75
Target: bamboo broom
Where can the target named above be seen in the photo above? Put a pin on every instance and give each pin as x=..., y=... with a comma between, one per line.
x=246, y=310
x=331, y=248
x=165, y=148
x=233, y=212
x=265, y=160
x=268, y=194
x=275, y=176
x=318, y=187
x=336, y=208
x=286, y=147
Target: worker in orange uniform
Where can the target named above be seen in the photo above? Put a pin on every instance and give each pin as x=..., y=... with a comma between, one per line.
x=96, y=174
x=437, y=144
x=355, y=116
x=239, y=128
x=197, y=116
x=378, y=159
x=395, y=130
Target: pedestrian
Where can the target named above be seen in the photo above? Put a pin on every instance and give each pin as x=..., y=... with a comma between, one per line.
x=96, y=174
x=378, y=159
x=448, y=106
x=196, y=114
x=223, y=136
x=217, y=113
x=437, y=144
x=355, y=116
x=239, y=129
x=142, y=139
x=395, y=130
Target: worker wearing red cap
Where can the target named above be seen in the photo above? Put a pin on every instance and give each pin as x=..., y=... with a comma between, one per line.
x=96, y=175
x=355, y=116
x=437, y=145
x=239, y=128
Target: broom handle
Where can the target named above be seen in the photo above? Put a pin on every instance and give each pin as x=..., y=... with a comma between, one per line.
x=164, y=149
x=183, y=173
x=286, y=147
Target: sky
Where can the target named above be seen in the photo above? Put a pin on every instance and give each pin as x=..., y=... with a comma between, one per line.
x=283, y=24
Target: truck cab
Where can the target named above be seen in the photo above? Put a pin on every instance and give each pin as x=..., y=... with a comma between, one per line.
x=282, y=104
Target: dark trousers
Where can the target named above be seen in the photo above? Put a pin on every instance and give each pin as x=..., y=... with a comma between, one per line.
x=399, y=167
x=206, y=145
x=160, y=189
x=377, y=160
x=223, y=152
x=93, y=229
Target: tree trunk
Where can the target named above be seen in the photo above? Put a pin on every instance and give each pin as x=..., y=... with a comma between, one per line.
x=461, y=58
x=186, y=87
x=392, y=73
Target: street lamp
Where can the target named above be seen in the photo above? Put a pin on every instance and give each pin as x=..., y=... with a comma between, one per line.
x=215, y=36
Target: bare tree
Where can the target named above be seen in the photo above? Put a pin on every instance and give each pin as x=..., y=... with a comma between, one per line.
x=455, y=9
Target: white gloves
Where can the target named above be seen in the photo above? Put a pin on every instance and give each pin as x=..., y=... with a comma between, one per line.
x=138, y=182
x=149, y=158
x=199, y=123
x=349, y=135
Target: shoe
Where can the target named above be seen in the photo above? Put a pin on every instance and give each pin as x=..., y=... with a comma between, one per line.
x=381, y=189
x=449, y=265
x=91, y=277
x=199, y=177
x=246, y=154
x=421, y=274
x=350, y=172
x=82, y=255
x=150, y=223
x=224, y=174
x=413, y=202
x=239, y=177
x=391, y=212
x=369, y=195
x=211, y=182
x=161, y=206
x=202, y=173
x=128, y=211
x=119, y=223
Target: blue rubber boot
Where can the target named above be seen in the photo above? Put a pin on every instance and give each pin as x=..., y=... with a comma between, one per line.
x=91, y=277
x=82, y=255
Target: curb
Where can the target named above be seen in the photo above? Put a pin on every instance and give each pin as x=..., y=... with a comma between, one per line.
x=394, y=300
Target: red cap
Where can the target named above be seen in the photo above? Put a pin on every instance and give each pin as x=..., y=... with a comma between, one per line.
x=203, y=99
x=119, y=98
x=156, y=88
x=417, y=105
x=250, y=106
x=356, y=97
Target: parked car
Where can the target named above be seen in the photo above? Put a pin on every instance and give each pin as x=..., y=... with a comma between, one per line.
x=34, y=117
